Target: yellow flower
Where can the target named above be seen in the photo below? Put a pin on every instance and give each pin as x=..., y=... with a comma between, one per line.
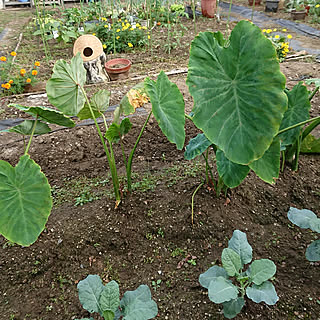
x=284, y=30
x=126, y=20
x=148, y=37
x=130, y=44
x=93, y=34
x=22, y=72
x=264, y=30
x=118, y=30
x=106, y=26
x=317, y=5
x=37, y=64
x=13, y=53
x=122, y=24
x=274, y=30
x=118, y=37
x=28, y=80
x=104, y=46
x=131, y=29
x=138, y=24
x=269, y=31
x=277, y=36
x=2, y=85
x=34, y=72
x=3, y=58
x=289, y=36
x=104, y=19
x=10, y=81
x=7, y=86
x=144, y=28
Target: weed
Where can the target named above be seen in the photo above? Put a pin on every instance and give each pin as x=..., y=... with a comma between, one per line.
x=156, y=284
x=149, y=236
x=160, y=232
x=178, y=252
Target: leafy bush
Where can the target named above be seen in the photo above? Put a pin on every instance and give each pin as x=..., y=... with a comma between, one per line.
x=306, y=219
x=105, y=300
x=253, y=282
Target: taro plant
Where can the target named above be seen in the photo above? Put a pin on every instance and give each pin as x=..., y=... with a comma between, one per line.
x=66, y=92
x=105, y=300
x=25, y=194
x=306, y=219
x=252, y=282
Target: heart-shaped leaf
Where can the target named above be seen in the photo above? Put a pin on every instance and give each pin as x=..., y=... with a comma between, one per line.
x=268, y=166
x=238, y=91
x=64, y=87
x=25, y=128
x=25, y=201
x=262, y=270
x=167, y=107
x=47, y=114
x=115, y=132
x=301, y=218
x=90, y=290
x=231, y=173
x=265, y=292
x=233, y=307
x=196, y=146
x=316, y=81
x=298, y=111
x=241, y=246
x=231, y=261
x=211, y=274
x=310, y=144
x=99, y=104
x=222, y=290
x=109, y=298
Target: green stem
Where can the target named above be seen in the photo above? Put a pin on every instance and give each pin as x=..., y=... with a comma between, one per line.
x=208, y=169
x=253, y=6
x=309, y=128
x=123, y=154
x=169, y=29
x=283, y=160
x=298, y=125
x=129, y=164
x=113, y=29
x=296, y=158
x=313, y=93
x=188, y=117
x=110, y=155
x=228, y=20
x=192, y=200
x=194, y=17
x=31, y=135
x=220, y=185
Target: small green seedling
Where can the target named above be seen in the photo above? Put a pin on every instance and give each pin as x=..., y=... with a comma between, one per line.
x=253, y=282
x=306, y=219
x=105, y=300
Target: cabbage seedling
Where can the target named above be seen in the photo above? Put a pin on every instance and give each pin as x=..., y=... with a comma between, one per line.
x=105, y=300
x=252, y=282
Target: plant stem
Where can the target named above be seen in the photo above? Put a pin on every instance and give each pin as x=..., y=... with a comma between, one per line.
x=188, y=117
x=298, y=125
x=253, y=6
x=296, y=158
x=129, y=164
x=192, y=200
x=194, y=17
x=110, y=156
x=31, y=135
x=229, y=13
x=313, y=93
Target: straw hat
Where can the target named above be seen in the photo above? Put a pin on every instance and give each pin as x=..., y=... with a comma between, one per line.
x=89, y=46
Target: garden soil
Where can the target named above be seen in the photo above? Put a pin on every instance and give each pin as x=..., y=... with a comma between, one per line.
x=150, y=239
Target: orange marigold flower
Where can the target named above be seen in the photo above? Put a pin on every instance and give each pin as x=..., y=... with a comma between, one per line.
x=28, y=80
x=10, y=81
x=23, y=72
x=2, y=85
x=7, y=86
x=34, y=72
x=13, y=53
x=37, y=64
x=3, y=58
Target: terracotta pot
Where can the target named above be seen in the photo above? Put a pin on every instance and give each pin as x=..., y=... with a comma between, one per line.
x=208, y=8
x=257, y=2
x=298, y=15
x=116, y=73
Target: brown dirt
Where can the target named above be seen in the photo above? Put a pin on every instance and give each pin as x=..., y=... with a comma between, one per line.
x=150, y=235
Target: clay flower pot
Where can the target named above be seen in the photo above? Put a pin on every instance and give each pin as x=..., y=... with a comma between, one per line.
x=118, y=68
x=257, y=2
x=298, y=15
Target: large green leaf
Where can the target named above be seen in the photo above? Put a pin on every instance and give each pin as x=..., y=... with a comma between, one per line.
x=315, y=225
x=262, y=270
x=222, y=290
x=138, y=305
x=90, y=290
x=63, y=89
x=313, y=251
x=265, y=292
x=233, y=307
x=231, y=173
x=25, y=128
x=167, y=107
x=116, y=131
x=238, y=91
x=301, y=218
x=25, y=201
x=241, y=246
x=99, y=104
x=211, y=274
x=298, y=111
x=109, y=298
x=47, y=114
x=316, y=81
x=231, y=261
x=268, y=166
x=196, y=146
x=310, y=144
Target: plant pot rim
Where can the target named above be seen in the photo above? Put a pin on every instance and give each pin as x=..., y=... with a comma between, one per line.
x=272, y=1
x=112, y=62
